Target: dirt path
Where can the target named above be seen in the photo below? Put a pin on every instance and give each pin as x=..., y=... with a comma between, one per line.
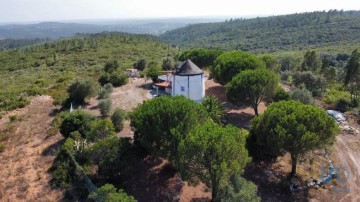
x=23, y=164
x=350, y=160
x=126, y=97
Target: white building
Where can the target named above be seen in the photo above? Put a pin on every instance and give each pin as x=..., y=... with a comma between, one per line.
x=187, y=80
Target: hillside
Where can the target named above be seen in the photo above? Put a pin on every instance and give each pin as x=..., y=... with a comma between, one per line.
x=55, y=30
x=49, y=68
x=269, y=34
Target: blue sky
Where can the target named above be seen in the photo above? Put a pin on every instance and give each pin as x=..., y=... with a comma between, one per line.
x=57, y=10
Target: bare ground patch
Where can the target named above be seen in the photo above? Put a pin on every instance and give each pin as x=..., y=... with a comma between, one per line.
x=23, y=166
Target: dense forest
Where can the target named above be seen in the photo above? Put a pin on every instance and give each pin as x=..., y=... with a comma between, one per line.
x=49, y=67
x=269, y=34
x=18, y=43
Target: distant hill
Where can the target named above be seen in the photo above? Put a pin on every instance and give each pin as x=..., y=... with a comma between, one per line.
x=269, y=34
x=55, y=30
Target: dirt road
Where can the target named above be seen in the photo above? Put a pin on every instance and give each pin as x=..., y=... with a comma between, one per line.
x=350, y=161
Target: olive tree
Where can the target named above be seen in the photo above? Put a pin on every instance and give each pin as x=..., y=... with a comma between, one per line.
x=83, y=88
x=290, y=126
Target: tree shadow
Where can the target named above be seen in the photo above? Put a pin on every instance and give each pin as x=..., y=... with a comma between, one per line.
x=53, y=149
x=149, y=178
x=241, y=120
x=202, y=199
x=272, y=182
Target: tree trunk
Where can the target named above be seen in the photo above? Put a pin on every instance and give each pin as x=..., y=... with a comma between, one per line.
x=256, y=110
x=293, y=163
x=214, y=193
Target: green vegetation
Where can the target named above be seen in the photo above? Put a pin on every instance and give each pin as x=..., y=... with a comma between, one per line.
x=99, y=129
x=106, y=91
x=269, y=34
x=118, y=118
x=152, y=71
x=252, y=87
x=214, y=108
x=112, y=73
x=280, y=94
x=18, y=43
x=239, y=190
x=75, y=121
x=50, y=67
x=302, y=95
x=104, y=106
x=229, y=64
x=81, y=89
x=289, y=126
x=201, y=57
x=108, y=193
x=211, y=154
x=161, y=123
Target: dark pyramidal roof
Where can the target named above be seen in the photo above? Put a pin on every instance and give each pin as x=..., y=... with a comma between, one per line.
x=188, y=68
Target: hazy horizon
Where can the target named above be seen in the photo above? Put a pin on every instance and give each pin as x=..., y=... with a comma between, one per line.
x=24, y=11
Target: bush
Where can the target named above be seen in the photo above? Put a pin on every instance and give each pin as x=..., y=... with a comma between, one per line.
x=285, y=75
x=105, y=91
x=13, y=118
x=100, y=129
x=104, y=107
x=2, y=147
x=214, y=108
x=343, y=105
x=140, y=65
x=333, y=96
x=82, y=88
x=118, y=118
x=280, y=94
x=302, y=95
x=75, y=121
x=315, y=83
x=117, y=78
x=109, y=193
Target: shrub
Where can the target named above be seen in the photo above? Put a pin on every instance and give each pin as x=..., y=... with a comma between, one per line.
x=108, y=193
x=100, y=129
x=104, y=107
x=118, y=119
x=280, y=94
x=343, y=105
x=13, y=118
x=105, y=91
x=302, y=95
x=75, y=121
x=214, y=107
x=315, y=83
x=117, y=78
x=333, y=96
x=2, y=147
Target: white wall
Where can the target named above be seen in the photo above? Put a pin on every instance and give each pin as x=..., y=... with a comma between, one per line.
x=193, y=86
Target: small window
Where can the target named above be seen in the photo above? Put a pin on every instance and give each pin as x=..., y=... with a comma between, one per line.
x=182, y=89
